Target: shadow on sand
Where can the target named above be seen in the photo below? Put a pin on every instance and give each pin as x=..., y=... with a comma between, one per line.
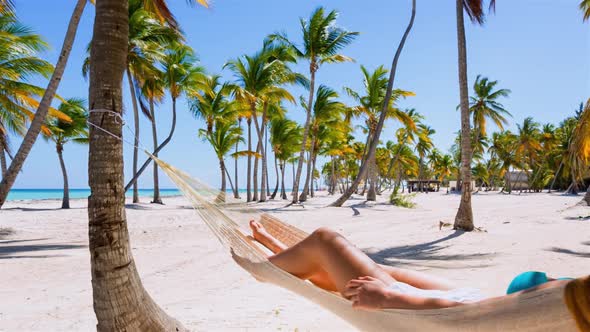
x=429, y=251
x=571, y=252
x=7, y=252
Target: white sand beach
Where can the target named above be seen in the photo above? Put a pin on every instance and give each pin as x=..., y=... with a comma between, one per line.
x=45, y=264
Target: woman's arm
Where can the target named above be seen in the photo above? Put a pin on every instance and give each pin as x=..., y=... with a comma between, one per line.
x=371, y=293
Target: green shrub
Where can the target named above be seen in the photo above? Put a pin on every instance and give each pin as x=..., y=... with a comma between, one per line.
x=402, y=200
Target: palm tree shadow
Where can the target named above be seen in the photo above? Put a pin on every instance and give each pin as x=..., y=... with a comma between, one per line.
x=571, y=252
x=429, y=251
x=6, y=232
x=8, y=252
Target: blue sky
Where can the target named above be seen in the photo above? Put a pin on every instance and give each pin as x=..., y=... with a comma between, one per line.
x=540, y=49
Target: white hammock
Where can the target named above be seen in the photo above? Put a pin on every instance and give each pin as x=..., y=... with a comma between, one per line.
x=543, y=310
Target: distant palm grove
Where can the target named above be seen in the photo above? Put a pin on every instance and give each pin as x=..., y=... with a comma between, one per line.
x=139, y=46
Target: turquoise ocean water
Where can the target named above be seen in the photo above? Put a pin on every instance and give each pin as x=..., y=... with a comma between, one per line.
x=26, y=194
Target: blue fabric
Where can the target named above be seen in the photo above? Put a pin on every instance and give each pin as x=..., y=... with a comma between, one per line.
x=527, y=280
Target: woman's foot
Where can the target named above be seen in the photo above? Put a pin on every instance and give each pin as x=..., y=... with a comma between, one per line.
x=261, y=235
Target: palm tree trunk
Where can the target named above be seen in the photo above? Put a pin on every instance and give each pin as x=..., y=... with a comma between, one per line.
x=586, y=199
x=249, y=172
x=312, y=70
x=274, y=193
x=221, y=196
x=136, y=133
x=266, y=159
x=283, y=191
x=464, y=217
x=157, y=199
x=2, y=155
x=120, y=301
x=231, y=184
x=305, y=191
x=237, y=190
x=255, y=173
x=372, y=176
x=315, y=156
x=382, y=116
x=556, y=175
x=35, y=127
x=65, y=203
x=160, y=147
x=259, y=130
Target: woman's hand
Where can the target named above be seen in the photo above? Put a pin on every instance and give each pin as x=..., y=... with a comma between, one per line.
x=366, y=293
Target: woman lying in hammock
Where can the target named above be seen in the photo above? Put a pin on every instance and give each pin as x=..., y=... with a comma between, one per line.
x=331, y=262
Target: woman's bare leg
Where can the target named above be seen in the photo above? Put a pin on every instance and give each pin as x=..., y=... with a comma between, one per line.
x=320, y=278
x=418, y=279
x=327, y=251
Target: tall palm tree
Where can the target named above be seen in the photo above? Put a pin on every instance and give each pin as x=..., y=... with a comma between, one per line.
x=224, y=135
x=181, y=77
x=62, y=132
x=147, y=38
x=485, y=105
x=18, y=62
x=152, y=89
x=322, y=40
x=44, y=105
x=423, y=147
x=210, y=104
x=325, y=108
x=7, y=7
x=159, y=7
x=120, y=301
x=370, y=102
x=475, y=11
x=259, y=84
x=384, y=111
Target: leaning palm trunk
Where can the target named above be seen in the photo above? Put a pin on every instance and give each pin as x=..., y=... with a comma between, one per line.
x=157, y=198
x=158, y=149
x=312, y=68
x=464, y=217
x=35, y=127
x=305, y=191
x=2, y=155
x=283, y=191
x=382, y=116
x=120, y=301
x=372, y=176
x=136, y=133
x=65, y=203
x=259, y=130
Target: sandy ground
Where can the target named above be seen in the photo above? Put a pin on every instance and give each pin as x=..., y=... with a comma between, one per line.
x=45, y=273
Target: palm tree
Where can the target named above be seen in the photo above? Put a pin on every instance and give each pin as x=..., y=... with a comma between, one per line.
x=475, y=11
x=579, y=150
x=444, y=167
x=384, y=111
x=120, y=301
x=6, y=7
x=158, y=7
x=224, y=135
x=18, y=61
x=147, y=38
x=325, y=108
x=259, y=80
x=62, y=132
x=152, y=89
x=370, y=102
x=181, y=77
x=528, y=144
x=322, y=40
x=210, y=104
x=44, y=106
x=285, y=136
x=423, y=147
x=486, y=106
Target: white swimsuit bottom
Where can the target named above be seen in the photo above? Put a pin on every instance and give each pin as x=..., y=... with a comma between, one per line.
x=462, y=295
